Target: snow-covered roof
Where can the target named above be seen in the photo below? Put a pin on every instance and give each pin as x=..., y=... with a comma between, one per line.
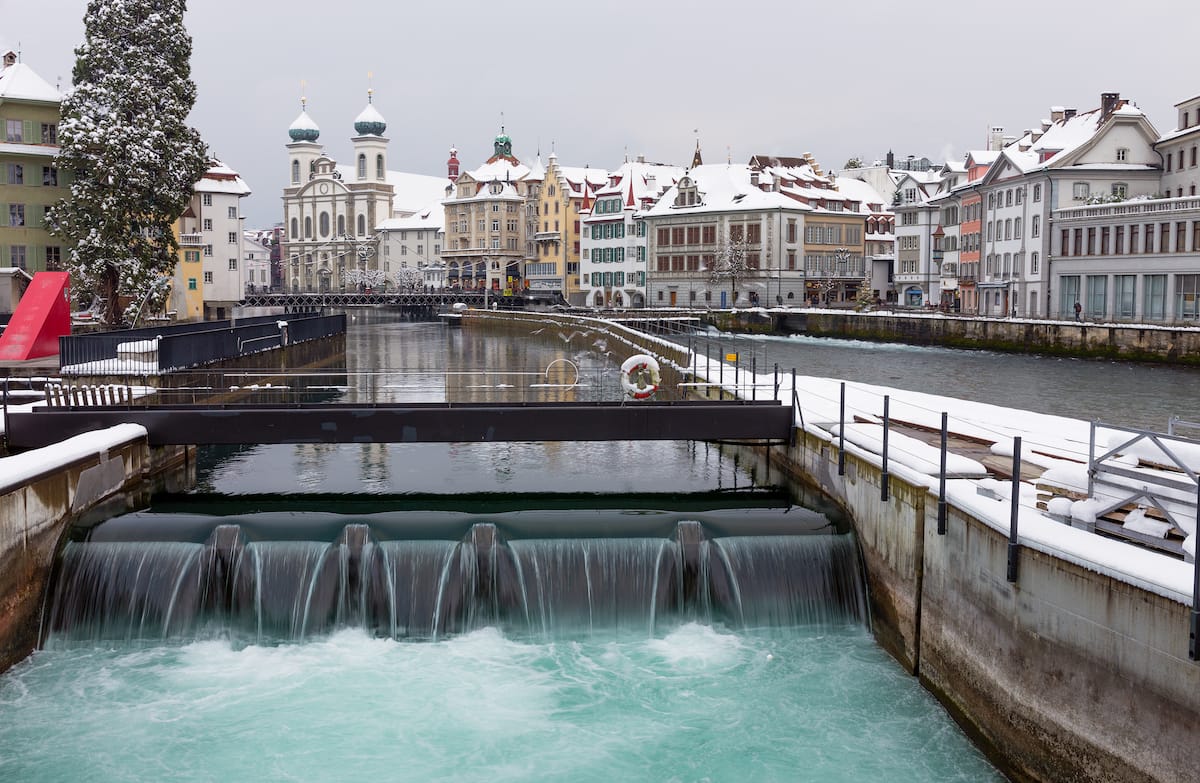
x=862, y=192
x=430, y=218
x=500, y=169
x=20, y=82
x=221, y=179
x=725, y=187
x=412, y=192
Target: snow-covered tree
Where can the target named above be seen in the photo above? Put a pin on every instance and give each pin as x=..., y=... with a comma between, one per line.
x=408, y=279
x=732, y=262
x=134, y=160
x=866, y=295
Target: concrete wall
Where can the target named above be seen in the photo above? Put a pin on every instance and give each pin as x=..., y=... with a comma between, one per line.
x=1068, y=674
x=1135, y=342
x=35, y=514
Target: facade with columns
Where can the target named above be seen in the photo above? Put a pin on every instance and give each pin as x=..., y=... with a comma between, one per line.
x=335, y=216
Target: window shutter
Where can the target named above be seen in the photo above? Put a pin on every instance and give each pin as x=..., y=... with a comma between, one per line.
x=30, y=129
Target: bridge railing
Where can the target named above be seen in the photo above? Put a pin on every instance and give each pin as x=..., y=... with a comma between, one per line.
x=152, y=351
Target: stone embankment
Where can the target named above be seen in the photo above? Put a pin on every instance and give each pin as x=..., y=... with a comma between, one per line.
x=1125, y=342
x=46, y=491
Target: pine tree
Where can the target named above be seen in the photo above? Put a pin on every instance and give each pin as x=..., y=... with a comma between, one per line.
x=123, y=135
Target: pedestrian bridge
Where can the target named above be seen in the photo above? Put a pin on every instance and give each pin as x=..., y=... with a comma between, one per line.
x=247, y=424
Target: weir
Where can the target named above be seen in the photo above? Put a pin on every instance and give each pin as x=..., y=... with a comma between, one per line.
x=426, y=576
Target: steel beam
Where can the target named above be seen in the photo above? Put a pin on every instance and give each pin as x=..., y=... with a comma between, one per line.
x=414, y=423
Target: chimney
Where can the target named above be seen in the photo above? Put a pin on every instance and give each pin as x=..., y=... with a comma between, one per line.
x=891, y=160
x=754, y=178
x=652, y=184
x=641, y=158
x=1108, y=103
x=10, y=58
x=1056, y=114
x=1069, y=114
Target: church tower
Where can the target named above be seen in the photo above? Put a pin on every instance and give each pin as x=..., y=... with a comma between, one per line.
x=370, y=145
x=303, y=150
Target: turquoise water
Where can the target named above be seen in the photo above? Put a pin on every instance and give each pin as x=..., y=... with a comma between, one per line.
x=694, y=703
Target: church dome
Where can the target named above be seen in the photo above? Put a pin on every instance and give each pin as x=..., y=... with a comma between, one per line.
x=370, y=122
x=304, y=129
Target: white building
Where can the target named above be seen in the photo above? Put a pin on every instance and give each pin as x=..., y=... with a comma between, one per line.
x=1181, y=164
x=256, y=265
x=412, y=248
x=333, y=214
x=613, y=243
x=212, y=226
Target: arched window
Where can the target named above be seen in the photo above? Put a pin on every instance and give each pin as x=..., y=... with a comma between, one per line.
x=295, y=228
x=308, y=228
x=295, y=172
x=380, y=174
x=362, y=225
x=324, y=224
x=362, y=166
x=341, y=224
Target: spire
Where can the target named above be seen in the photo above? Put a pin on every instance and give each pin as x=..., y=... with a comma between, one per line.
x=452, y=165
x=303, y=128
x=696, y=159
x=586, y=206
x=370, y=122
x=629, y=202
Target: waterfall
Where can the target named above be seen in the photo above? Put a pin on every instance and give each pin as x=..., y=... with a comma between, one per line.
x=271, y=591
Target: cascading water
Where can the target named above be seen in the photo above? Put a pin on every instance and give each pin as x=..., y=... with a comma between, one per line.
x=265, y=591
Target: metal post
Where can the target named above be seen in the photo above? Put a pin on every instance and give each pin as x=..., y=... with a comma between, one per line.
x=1194, y=637
x=721, y=376
x=885, y=477
x=1091, y=458
x=737, y=376
x=841, y=431
x=1013, y=546
x=6, y=408
x=941, y=527
x=753, y=378
x=776, y=381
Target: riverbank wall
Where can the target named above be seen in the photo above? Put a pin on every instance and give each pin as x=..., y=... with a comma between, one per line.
x=1068, y=673
x=1125, y=342
x=44, y=492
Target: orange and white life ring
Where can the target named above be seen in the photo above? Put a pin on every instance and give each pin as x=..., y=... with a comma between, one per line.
x=645, y=368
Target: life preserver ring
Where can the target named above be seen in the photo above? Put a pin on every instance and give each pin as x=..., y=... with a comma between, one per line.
x=646, y=368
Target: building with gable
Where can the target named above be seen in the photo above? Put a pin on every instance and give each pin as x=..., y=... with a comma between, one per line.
x=487, y=222
x=333, y=213
x=566, y=193
x=29, y=180
x=614, y=245
x=209, y=280
x=722, y=236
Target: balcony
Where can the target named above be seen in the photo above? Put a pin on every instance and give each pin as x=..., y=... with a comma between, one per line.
x=191, y=240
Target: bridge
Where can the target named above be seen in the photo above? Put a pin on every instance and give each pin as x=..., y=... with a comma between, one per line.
x=432, y=300
x=249, y=424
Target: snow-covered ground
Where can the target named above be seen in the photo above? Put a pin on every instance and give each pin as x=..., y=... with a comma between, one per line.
x=1059, y=445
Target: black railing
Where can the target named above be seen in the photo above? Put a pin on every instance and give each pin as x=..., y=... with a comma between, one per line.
x=179, y=346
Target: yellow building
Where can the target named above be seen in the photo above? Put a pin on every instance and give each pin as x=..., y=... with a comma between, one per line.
x=555, y=263
x=29, y=180
x=186, y=302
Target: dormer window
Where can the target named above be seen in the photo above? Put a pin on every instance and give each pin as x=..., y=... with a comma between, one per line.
x=688, y=196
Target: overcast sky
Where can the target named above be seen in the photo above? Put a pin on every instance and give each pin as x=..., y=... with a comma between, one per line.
x=599, y=80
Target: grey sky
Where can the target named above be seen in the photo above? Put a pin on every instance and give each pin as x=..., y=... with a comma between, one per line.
x=599, y=80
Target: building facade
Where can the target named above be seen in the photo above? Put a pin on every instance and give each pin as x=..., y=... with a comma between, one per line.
x=209, y=280
x=29, y=180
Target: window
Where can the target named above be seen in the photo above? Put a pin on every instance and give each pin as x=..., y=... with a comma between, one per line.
x=362, y=225
x=16, y=173
x=380, y=173
x=208, y=251
x=53, y=258
x=1068, y=295
x=16, y=215
x=1037, y=192
x=295, y=176
x=16, y=256
x=1154, y=297
x=1035, y=263
x=15, y=131
x=1036, y=227
x=295, y=228
x=362, y=166
x=1124, y=295
x=206, y=224
x=1120, y=189
x=1008, y=197
x=49, y=133
x=1187, y=296
x=1081, y=191
x=49, y=176
x=233, y=237
x=233, y=265
x=1122, y=154
x=206, y=199
x=191, y=284
x=232, y=213
x=208, y=277
x=1020, y=195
